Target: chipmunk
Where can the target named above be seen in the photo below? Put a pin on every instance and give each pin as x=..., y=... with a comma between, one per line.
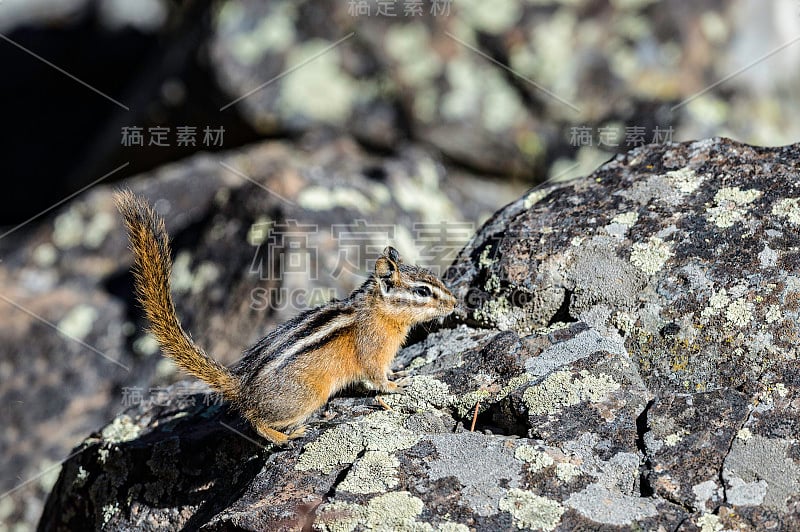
x=290, y=373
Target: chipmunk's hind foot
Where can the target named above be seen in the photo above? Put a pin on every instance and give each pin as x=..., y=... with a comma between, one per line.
x=298, y=432
x=277, y=437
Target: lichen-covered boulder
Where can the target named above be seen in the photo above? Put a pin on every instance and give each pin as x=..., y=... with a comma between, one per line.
x=688, y=251
x=74, y=350
x=555, y=439
x=507, y=87
x=632, y=369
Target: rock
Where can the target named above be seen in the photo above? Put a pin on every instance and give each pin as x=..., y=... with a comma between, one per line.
x=688, y=438
x=417, y=465
x=687, y=251
x=601, y=305
x=232, y=217
x=522, y=88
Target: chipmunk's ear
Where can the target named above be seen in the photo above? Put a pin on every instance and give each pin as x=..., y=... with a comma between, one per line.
x=386, y=268
x=392, y=254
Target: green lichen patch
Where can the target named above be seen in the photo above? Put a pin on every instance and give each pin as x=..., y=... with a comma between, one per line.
x=375, y=472
x=530, y=510
x=710, y=523
x=147, y=345
x=409, y=46
x=535, y=459
x=182, y=277
x=729, y=205
x=388, y=512
x=675, y=438
x=324, y=199
x=109, y=511
x=685, y=180
x=50, y=472
x=196, y=281
x=487, y=396
x=340, y=445
x=121, y=429
x=738, y=313
x=422, y=393
x=80, y=477
x=78, y=321
x=273, y=33
x=301, y=94
x=718, y=301
x=71, y=229
x=466, y=403
x=566, y=471
x=502, y=315
x=744, y=434
x=340, y=516
x=650, y=256
x=452, y=527
x=45, y=255
x=384, y=431
x=68, y=229
x=485, y=260
x=561, y=389
x=626, y=218
x=494, y=17
x=534, y=196
x=788, y=208
x=381, y=431
x=98, y=228
x=773, y=314
x=395, y=510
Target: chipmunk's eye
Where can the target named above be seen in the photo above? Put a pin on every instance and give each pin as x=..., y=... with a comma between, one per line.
x=422, y=291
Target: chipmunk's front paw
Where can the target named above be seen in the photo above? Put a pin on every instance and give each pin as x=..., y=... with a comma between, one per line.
x=388, y=386
x=298, y=432
x=403, y=382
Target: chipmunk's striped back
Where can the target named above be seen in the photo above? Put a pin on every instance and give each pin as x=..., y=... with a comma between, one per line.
x=308, y=331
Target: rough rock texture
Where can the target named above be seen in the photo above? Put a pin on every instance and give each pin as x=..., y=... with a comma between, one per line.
x=230, y=281
x=633, y=369
x=622, y=70
x=689, y=252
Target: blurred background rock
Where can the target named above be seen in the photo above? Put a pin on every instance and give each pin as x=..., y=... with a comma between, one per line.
x=404, y=113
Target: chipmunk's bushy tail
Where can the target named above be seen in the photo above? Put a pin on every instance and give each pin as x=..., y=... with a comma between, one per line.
x=151, y=270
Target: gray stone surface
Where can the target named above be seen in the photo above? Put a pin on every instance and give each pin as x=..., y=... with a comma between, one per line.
x=72, y=271
x=631, y=409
